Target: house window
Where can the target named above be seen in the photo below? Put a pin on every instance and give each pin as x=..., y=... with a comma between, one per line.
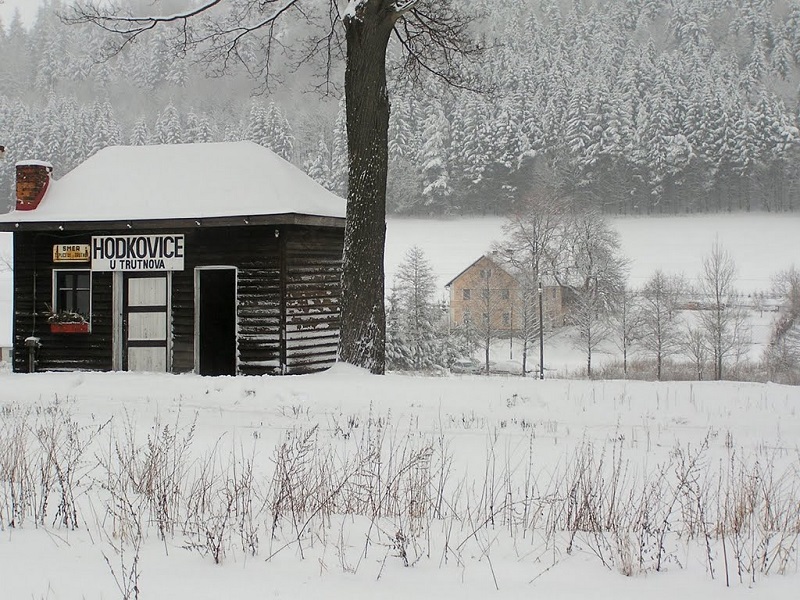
x=506, y=319
x=486, y=273
x=485, y=294
x=504, y=294
x=466, y=293
x=72, y=292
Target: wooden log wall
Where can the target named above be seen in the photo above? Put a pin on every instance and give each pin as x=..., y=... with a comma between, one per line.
x=33, y=293
x=313, y=293
x=254, y=251
x=287, y=306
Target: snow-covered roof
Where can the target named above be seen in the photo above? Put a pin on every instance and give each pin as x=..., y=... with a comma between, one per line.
x=34, y=163
x=547, y=280
x=487, y=257
x=181, y=181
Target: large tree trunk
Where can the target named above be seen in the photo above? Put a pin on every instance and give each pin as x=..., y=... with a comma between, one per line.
x=363, y=328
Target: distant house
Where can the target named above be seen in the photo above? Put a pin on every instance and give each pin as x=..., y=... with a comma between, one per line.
x=218, y=259
x=489, y=292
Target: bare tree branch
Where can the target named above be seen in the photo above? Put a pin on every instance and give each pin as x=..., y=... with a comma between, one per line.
x=434, y=34
x=220, y=33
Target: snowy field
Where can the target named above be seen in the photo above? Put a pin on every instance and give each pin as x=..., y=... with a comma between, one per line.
x=760, y=243
x=328, y=485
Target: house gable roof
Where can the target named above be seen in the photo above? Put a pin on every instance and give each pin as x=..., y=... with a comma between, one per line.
x=479, y=259
x=214, y=181
x=547, y=280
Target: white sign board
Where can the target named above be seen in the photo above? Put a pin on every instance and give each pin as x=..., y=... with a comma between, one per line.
x=138, y=252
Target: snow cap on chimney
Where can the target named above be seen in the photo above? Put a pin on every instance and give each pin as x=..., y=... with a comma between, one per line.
x=33, y=179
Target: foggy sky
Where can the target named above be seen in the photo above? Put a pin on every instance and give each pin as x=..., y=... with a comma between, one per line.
x=27, y=9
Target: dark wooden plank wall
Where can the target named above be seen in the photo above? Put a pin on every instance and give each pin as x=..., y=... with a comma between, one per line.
x=254, y=250
x=311, y=263
x=313, y=292
x=33, y=292
x=311, y=267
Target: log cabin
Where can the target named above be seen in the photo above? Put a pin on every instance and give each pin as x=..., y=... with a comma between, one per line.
x=216, y=259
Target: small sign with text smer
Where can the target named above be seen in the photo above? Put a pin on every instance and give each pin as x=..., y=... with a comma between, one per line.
x=71, y=253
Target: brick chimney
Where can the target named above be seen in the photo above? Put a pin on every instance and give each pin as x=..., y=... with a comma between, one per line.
x=33, y=179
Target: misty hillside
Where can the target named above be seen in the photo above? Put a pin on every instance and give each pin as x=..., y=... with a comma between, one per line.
x=637, y=106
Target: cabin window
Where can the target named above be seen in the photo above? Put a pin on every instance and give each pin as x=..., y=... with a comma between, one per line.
x=506, y=319
x=504, y=294
x=466, y=293
x=72, y=292
x=486, y=273
x=485, y=293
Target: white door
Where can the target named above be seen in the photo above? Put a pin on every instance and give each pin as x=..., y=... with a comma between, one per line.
x=146, y=322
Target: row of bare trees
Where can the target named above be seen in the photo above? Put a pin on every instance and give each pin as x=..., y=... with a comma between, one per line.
x=702, y=326
x=706, y=323
x=555, y=241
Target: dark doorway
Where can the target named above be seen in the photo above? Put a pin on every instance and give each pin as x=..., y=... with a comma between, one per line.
x=216, y=315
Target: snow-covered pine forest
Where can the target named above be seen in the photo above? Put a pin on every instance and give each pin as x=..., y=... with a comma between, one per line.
x=633, y=105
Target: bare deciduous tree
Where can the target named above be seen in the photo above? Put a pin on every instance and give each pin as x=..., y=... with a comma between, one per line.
x=786, y=286
x=783, y=354
x=432, y=35
x=626, y=325
x=658, y=313
x=595, y=272
x=532, y=248
x=695, y=346
x=486, y=323
x=723, y=320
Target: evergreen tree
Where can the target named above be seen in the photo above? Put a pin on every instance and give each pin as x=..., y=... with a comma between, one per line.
x=199, y=129
x=413, y=320
x=317, y=166
x=339, y=168
x=168, y=128
x=279, y=137
x=140, y=135
x=433, y=158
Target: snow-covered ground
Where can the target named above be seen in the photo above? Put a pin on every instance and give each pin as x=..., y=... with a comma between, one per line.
x=513, y=458
x=507, y=462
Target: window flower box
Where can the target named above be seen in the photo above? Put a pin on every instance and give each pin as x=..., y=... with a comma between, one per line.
x=69, y=327
x=65, y=321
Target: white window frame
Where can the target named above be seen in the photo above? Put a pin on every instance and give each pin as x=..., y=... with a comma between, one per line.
x=54, y=290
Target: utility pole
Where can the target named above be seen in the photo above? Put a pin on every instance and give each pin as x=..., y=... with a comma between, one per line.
x=541, y=335
x=511, y=331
